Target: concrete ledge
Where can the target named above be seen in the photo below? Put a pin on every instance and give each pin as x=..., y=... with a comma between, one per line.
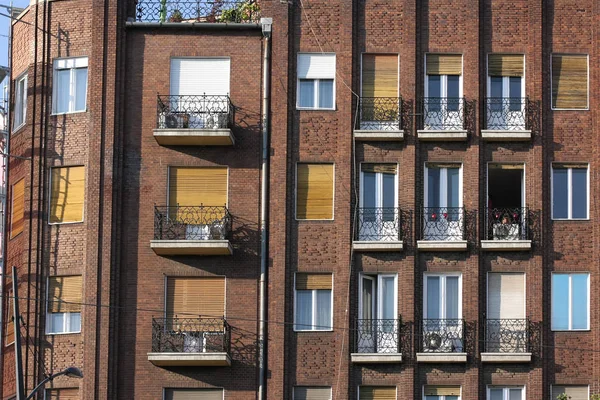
x=191, y=247
x=506, y=357
x=442, y=357
x=377, y=246
x=442, y=245
x=443, y=135
x=376, y=358
x=506, y=245
x=382, y=136
x=194, y=137
x=190, y=359
x=500, y=135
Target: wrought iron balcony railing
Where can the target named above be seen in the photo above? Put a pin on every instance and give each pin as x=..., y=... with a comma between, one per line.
x=442, y=336
x=507, y=224
x=191, y=223
x=379, y=224
x=507, y=336
x=377, y=336
x=443, y=113
x=443, y=223
x=380, y=114
x=190, y=335
x=165, y=11
x=194, y=112
x=506, y=113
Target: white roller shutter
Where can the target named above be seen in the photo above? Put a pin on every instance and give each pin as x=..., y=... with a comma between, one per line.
x=506, y=296
x=197, y=76
x=316, y=66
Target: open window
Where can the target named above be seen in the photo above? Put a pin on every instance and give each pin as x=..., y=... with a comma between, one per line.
x=377, y=314
x=506, y=217
x=443, y=217
x=443, y=104
x=442, y=323
x=378, y=214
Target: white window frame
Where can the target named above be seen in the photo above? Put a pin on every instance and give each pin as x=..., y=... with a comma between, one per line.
x=443, y=186
x=570, y=301
x=378, y=187
x=588, y=82
x=558, y=384
x=505, y=391
x=316, y=82
x=164, y=391
x=314, y=308
x=377, y=278
x=570, y=194
x=20, y=101
x=441, y=397
x=311, y=386
x=66, y=317
x=442, y=294
x=71, y=64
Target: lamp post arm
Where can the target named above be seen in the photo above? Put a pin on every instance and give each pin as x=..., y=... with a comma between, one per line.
x=42, y=383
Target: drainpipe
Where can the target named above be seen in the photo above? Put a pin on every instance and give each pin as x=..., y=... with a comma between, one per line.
x=264, y=189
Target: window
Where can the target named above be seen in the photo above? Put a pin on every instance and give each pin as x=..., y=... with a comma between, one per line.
x=505, y=393
x=70, y=85
x=574, y=392
x=377, y=393
x=313, y=298
x=378, y=219
x=443, y=296
x=443, y=202
x=443, y=92
x=20, y=101
x=193, y=394
x=505, y=92
x=312, y=393
x=506, y=326
x=64, y=304
x=193, y=296
x=17, y=217
x=441, y=393
x=570, y=301
x=62, y=394
x=569, y=81
x=570, y=194
x=9, y=333
x=377, y=314
x=316, y=81
x=67, y=194
x=379, y=103
x=314, y=191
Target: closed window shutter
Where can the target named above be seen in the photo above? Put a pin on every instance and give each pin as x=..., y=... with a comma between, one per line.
x=377, y=393
x=380, y=75
x=67, y=289
x=381, y=168
x=314, y=196
x=444, y=64
x=67, y=194
x=570, y=81
x=62, y=394
x=575, y=392
x=10, y=327
x=198, y=76
x=442, y=390
x=506, y=64
x=193, y=394
x=316, y=66
x=506, y=296
x=17, y=218
x=191, y=186
x=312, y=393
x=189, y=297
x=313, y=281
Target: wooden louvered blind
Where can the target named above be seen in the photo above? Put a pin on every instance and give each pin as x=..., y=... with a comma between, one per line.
x=67, y=194
x=380, y=75
x=306, y=281
x=444, y=64
x=443, y=165
x=189, y=297
x=442, y=390
x=575, y=392
x=506, y=296
x=312, y=393
x=9, y=336
x=569, y=165
x=506, y=64
x=64, y=293
x=382, y=168
x=570, y=81
x=17, y=218
x=194, y=186
x=62, y=394
x=505, y=166
x=377, y=393
x=314, y=195
x=193, y=394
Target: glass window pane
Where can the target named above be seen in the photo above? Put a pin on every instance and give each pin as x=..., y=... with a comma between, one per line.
x=452, y=297
x=433, y=187
x=515, y=93
x=496, y=93
x=75, y=321
x=496, y=394
x=307, y=93
x=559, y=193
x=432, y=397
x=367, y=299
x=453, y=92
x=63, y=90
x=389, y=196
x=453, y=188
x=515, y=394
x=57, y=322
x=451, y=398
x=368, y=191
x=388, y=298
x=304, y=309
x=560, y=301
x=579, y=193
x=326, y=93
x=434, y=92
x=433, y=297
x=80, y=88
x=323, y=310
x=579, y=305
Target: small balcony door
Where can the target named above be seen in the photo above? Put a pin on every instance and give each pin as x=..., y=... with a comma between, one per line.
x=444, y=102
x=378, y=217
x=506, y=107
x=377, y=313
x=443, y=214
x=442, y=325
x=506, y=329
x=506, y=217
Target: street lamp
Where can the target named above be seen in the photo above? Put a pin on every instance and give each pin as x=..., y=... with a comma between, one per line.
x=71, y=372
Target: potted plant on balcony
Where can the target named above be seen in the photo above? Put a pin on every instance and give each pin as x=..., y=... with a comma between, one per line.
x=176, y=16
x=246, y=11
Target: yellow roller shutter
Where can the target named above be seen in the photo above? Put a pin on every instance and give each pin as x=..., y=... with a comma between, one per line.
x=313, y=281
x=380, y=75
x=192, y=297
x=506, y=64
x=17, y=218
x=569, y=81
x=442, y=390
x=62, y=394
x=381, y=168
x=194, y=394
x=68, y=290
x=377, y=393
x=314, y=196
x=574, y=392
x=67, y=194
x=194, y=186
x=444, y=64
x=9, y=336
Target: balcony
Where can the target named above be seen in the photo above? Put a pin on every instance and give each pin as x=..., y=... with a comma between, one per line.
x=443, y=119
x=201, y=120
x=507, y=341
x=198, y=11
x=199, y=230
x=377, y=341
x=178, y=342
x=506, y=229
x=442, y=341
x=379, y=229
x=507, y=119
x=380, y=119
x=442, y=229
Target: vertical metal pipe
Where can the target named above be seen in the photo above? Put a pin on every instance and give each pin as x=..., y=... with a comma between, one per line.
x=16, y=325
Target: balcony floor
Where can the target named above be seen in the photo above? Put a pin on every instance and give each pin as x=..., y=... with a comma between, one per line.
x=501, y=135
x=506, y=245
x=190, y=359
x=506, y=357
x=376, y=358
x=191, y=247
x=194, y=137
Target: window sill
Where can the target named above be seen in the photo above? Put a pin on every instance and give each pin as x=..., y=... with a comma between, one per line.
x=314, y=109
x=571, y=219
x=571, y=330
x=18, y=129
x=313, y=331
x=66, y=223
x=56, y=114
x=62, y=333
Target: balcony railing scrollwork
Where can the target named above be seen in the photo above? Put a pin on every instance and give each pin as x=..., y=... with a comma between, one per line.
x=207, y=11
x=191, y=335
x=443, y=223
x=507, y=224
x=191, y=223
x=382, y=224
x=380, y=114
x=443, y=113
x=507, y=336
x=194, y=112
x=507, y=113
x=442, y=336
x=377, y=336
